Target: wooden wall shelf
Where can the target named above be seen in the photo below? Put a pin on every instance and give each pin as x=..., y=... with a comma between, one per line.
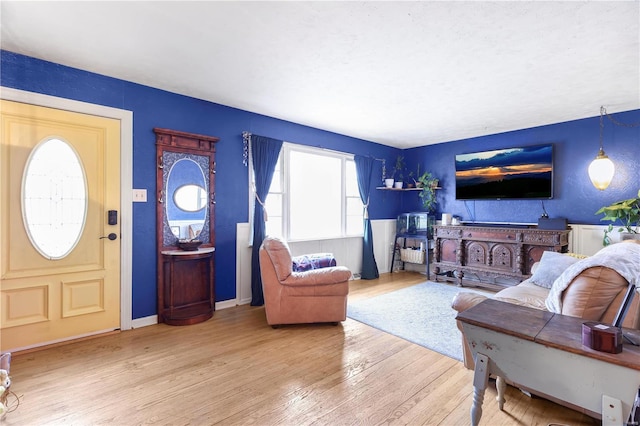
x=384, y=188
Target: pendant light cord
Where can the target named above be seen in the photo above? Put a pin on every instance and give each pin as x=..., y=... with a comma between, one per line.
x=603, y=110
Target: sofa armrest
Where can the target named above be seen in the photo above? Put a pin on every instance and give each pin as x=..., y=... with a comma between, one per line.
x=323, y=276
x=465, y=300
x=461, y=302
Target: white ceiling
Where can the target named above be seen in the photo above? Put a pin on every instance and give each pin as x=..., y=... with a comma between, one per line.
x=399, y=73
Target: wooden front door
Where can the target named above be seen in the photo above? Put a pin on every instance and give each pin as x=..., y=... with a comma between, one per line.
x=59, y=278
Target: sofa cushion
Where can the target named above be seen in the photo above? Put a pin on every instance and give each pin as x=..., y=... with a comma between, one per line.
x=551, y=266
x=524, y=294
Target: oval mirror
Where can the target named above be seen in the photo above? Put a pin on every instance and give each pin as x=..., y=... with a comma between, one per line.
x=54, y=198
x=186, y=198
x=190, y=198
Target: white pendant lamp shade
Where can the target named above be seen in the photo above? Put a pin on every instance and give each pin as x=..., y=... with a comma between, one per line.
x=601, y=171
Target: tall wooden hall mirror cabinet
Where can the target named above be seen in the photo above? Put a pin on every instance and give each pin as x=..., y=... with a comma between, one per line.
x=186, y=237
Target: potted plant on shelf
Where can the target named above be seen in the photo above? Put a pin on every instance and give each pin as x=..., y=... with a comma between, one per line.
x=428, y=183
x=399, y=171
x=388, y=180
x=412, y=182
x=627, y=212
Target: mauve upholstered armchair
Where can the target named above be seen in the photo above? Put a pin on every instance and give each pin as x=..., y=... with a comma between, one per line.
x=314, y=296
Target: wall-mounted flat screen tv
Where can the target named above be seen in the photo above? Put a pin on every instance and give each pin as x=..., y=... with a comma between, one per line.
x=502, y=174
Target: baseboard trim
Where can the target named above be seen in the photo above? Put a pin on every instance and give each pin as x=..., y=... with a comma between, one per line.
x=231, y=303
x=144, y=321
x=153, y=319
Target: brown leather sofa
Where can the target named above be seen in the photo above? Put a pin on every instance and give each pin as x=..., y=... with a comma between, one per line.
x=314, y=296
x=595, y=294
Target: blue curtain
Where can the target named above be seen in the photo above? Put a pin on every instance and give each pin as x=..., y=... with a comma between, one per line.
x=364, y=168
x=264, y=152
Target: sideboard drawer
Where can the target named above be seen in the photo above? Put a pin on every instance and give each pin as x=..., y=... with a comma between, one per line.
x=490, y=234
x=448, y=232
x=547, y=239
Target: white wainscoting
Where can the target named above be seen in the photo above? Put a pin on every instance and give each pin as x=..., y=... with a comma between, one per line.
x=384, y=232
x=583, y=239
x=347, y=251
x=243, y=264
x=587, y=239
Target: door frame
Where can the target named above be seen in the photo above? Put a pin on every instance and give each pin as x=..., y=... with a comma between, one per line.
x=126, y=178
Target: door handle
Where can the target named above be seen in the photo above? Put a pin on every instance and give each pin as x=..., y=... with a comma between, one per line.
x=112, y=236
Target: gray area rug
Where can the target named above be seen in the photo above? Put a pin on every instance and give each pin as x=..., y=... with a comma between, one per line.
x=421, y=314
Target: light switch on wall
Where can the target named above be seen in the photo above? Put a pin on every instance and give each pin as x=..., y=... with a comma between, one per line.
x=139, y=195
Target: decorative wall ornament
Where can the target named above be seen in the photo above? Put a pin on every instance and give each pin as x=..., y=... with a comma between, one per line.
x=246, y=139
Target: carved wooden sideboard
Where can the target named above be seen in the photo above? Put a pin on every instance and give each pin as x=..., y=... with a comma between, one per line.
x=488, y=253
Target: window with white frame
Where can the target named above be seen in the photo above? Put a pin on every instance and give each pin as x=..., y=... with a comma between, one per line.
x=314, y=195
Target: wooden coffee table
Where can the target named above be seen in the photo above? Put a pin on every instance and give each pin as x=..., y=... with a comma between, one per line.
x=543, y=353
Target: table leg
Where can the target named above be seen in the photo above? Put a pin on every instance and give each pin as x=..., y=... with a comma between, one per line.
x=480, y=381
x=501, y=385
x=612, y=412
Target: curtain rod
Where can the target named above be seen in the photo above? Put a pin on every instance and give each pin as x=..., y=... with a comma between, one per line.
x=246, y=138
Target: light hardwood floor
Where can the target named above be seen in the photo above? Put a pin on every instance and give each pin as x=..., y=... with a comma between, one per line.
x=235, y=369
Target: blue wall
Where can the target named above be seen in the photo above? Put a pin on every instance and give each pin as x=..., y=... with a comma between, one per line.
x=156, y=108
x=575, y=144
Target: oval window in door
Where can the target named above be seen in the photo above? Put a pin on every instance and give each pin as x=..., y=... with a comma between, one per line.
x=54, y=198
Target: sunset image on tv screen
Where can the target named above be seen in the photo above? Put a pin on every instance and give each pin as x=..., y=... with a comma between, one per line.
x=512, y=173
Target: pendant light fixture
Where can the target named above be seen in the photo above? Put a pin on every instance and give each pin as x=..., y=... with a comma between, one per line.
x=601, y=169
